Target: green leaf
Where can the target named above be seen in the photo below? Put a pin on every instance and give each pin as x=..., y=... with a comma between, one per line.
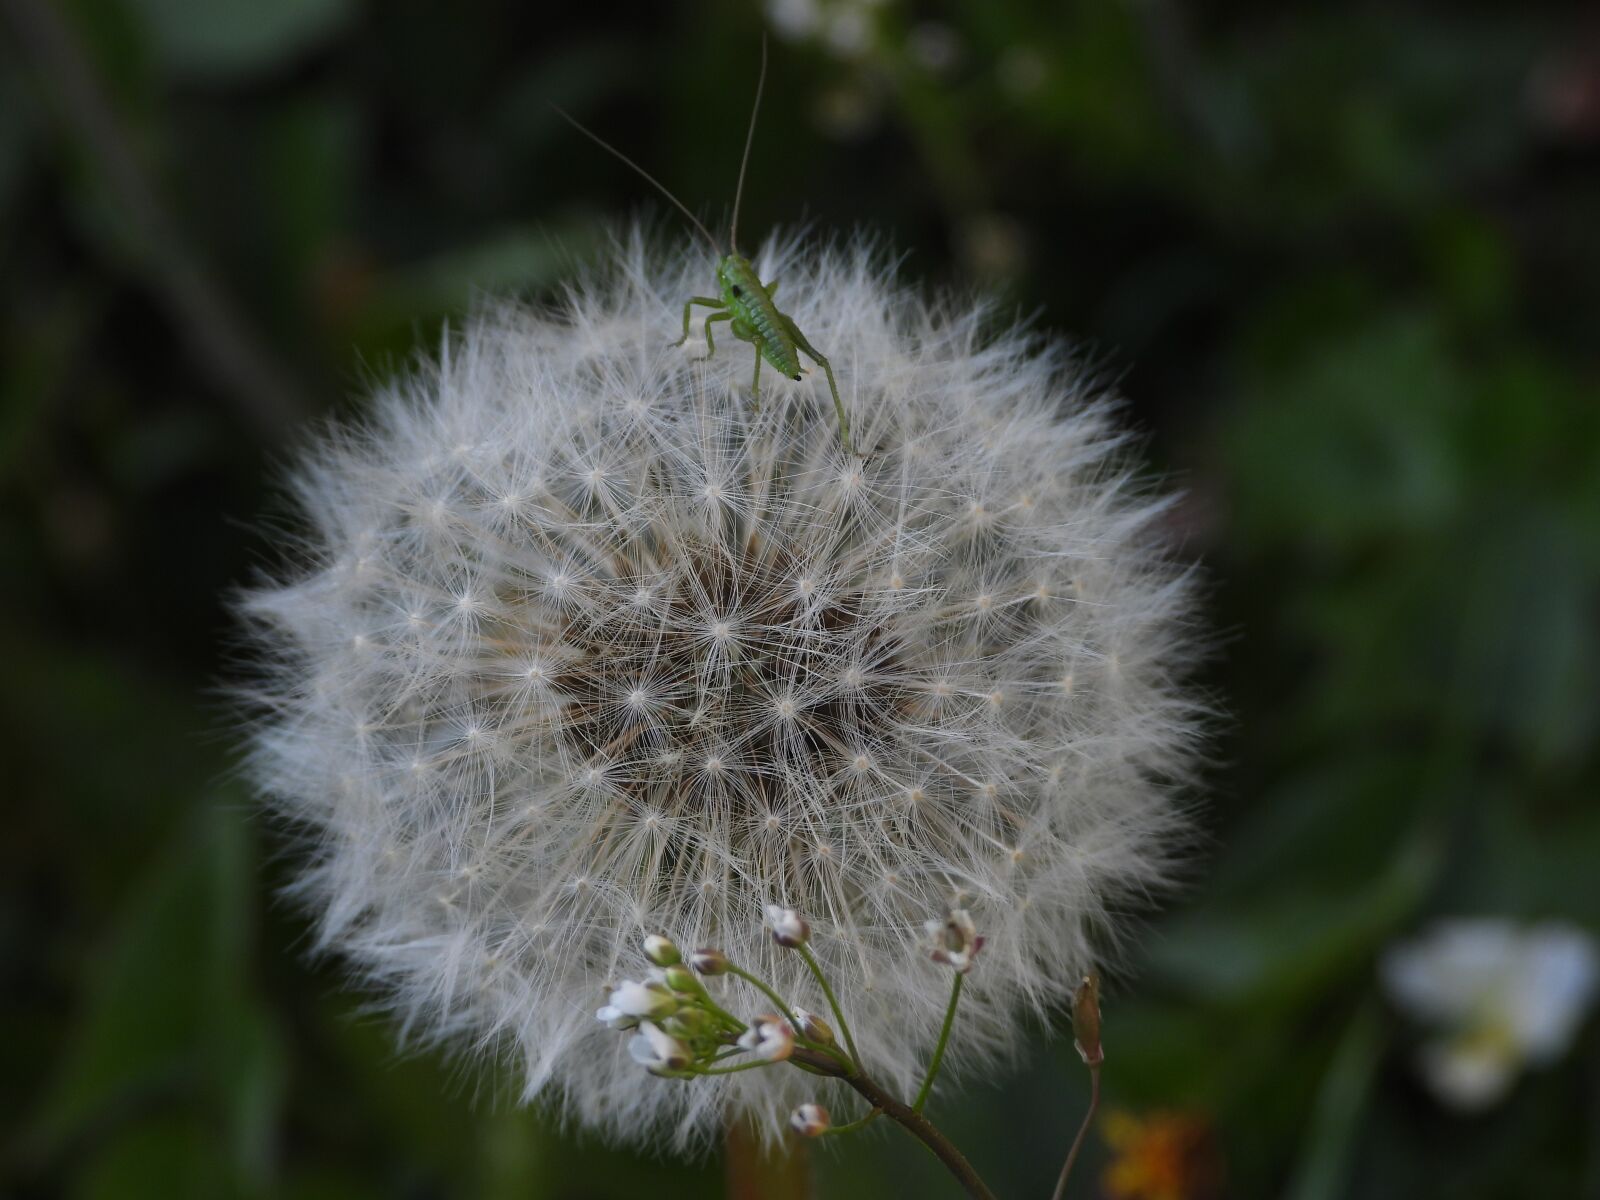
x=1341, y=1100
x=169, y=982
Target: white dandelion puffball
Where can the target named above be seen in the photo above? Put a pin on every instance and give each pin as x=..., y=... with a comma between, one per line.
x=583, y=645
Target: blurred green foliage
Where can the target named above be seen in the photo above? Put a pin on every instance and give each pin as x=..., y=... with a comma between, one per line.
x=1344, y=260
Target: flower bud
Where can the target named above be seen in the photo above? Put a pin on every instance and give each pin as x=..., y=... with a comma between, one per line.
x=810, y=1120
x=813, y=1027
x=1086, y=1020
x=955, y=941
x=661, y=951
x=768, y=1037
x=688, y=1023
x=680, y=979
x=709, y=962
x=788, y=927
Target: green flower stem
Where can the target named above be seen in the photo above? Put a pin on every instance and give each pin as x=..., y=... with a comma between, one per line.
x=853, y=1125
x=746, y=1066
x=761, y=985
x=913, y=1122
x=944, y=1040
x=722, y=1014
x=788, y=1015
x=833, y=1004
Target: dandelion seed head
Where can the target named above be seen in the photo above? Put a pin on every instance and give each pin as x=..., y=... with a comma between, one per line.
x=647, y=658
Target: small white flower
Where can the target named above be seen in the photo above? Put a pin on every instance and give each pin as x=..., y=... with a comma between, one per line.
x=657, y=1050
x=614, y=1018
x=789, y=928
x=955, y=941
x=1505, y=997
x=768, y=1037
x=642, y=1000
x=810, y=1120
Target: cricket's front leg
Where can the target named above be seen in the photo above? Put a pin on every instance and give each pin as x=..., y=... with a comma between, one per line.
x=711, y=346
x=707, y=301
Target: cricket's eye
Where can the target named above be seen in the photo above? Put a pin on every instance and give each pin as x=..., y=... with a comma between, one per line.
x=736, y=290
x=796, y=378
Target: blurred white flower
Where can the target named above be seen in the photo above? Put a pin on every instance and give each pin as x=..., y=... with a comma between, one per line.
x=935, y=45
x=581, y=645
x=848, y=31
x=1504, y=995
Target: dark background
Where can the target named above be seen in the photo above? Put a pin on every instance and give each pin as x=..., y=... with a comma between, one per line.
x=1343, y=259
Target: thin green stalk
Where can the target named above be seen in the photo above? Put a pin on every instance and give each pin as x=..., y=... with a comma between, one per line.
x=761, y=985
x=717, y=1010
x=748, y=1066
x=1083, y=1132
x=914, y=1123
x=788, y=1015
x=833, y=1003
x=853, y=1125
x=944, y=1040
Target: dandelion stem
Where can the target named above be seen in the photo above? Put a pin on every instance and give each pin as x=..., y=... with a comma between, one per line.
x=1083, y=1131
x=944, y=1040
x=908, y=1118
x=833, y=1003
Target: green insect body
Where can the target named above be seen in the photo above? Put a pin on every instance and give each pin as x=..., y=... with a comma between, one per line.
x=754, y=317
x=745, y=302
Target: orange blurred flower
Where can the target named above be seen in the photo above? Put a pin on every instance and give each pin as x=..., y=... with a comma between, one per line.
x=1162, y=1156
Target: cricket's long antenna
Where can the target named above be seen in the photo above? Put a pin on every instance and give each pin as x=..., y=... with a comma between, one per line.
x=654, y=182
x=749, y=137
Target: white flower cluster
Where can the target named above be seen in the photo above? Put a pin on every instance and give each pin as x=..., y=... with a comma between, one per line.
x=583, y=645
